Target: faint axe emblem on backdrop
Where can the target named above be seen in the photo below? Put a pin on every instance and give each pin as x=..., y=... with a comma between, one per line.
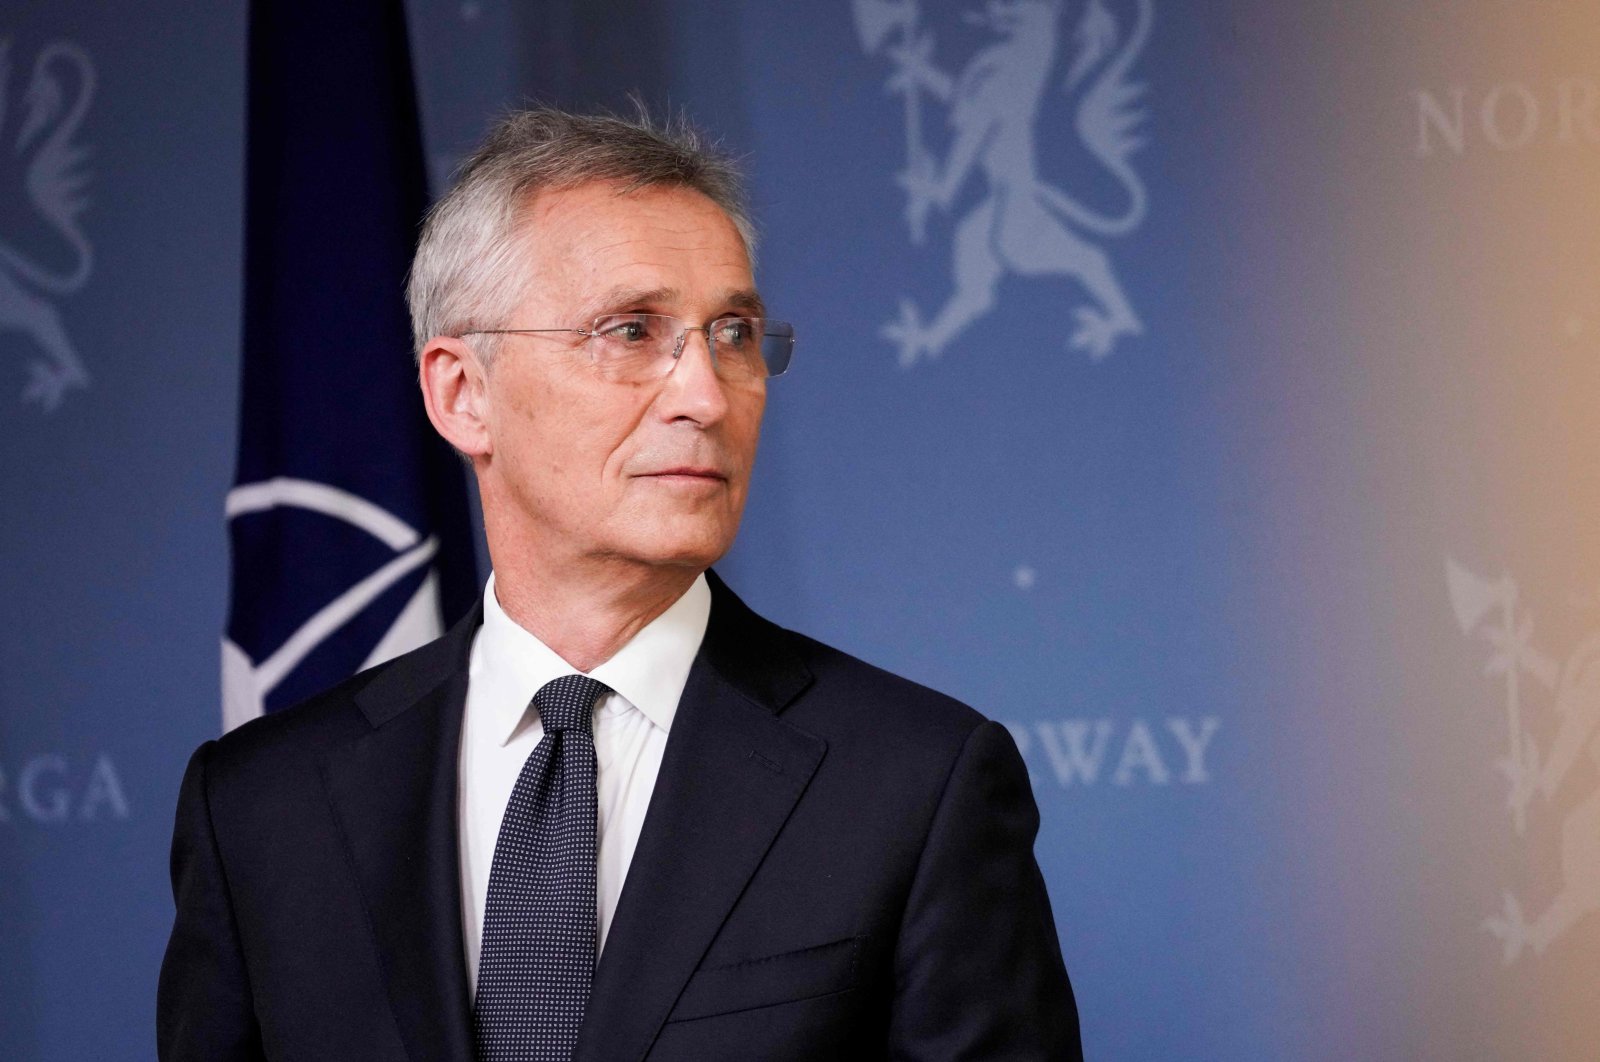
x=1490, y=609
x=999, y=108
x=42, y=179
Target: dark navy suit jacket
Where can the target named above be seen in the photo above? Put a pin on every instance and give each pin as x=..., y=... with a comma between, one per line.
x=836, y=864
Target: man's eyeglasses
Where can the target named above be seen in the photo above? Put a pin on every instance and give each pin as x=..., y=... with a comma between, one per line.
x=636, y=347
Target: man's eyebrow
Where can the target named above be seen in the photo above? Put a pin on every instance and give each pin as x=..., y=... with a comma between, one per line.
x=620, y=300
x=623, y=299
x=747, y=300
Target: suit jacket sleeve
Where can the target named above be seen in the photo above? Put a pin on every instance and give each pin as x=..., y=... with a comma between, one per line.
x=978, y=965
x=203, y=1004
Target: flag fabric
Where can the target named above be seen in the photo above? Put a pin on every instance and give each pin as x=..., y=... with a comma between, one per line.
x=349, y=524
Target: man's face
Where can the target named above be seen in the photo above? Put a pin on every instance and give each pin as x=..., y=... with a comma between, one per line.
x=587, y=468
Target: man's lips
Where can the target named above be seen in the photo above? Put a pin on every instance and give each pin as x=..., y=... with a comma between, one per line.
x=685, y=472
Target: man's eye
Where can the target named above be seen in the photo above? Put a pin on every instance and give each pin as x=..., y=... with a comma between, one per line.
x=735, y=331
x=626, y=330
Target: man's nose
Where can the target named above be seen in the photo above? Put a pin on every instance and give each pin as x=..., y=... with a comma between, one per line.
x=693, y=388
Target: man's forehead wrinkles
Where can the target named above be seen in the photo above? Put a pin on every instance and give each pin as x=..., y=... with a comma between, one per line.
x=619, y=242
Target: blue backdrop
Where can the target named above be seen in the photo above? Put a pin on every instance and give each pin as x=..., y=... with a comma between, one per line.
x=1203, y=390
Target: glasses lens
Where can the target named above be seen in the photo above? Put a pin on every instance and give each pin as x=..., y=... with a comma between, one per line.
x=641, y=346
x=777, y=345
x=737, y=342
x=633, y=346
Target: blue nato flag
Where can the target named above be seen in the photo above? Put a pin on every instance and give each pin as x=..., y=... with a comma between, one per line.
x=349, y=522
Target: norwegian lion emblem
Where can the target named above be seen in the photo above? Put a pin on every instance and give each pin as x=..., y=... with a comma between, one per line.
x=44, y=177
x=1560, y=697
x=1023, y=224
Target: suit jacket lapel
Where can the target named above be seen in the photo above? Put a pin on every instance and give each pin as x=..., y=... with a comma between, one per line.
x=394, y=794
x=731, y=774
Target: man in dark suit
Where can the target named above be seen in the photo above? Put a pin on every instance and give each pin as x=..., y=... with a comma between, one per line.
x=612, y=814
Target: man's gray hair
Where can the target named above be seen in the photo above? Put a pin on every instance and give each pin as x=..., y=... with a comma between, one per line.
x=469, y=262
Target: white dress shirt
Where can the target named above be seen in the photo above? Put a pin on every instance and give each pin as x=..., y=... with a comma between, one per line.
x=507, y=667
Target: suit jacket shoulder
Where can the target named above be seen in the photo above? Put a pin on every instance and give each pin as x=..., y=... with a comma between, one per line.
x=267, y=746
x=895, y=707
x=906, y=733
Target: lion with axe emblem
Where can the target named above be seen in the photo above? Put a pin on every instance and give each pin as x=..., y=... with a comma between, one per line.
x=1023, y=224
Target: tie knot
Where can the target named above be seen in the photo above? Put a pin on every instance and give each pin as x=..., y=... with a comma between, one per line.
x=567, y=703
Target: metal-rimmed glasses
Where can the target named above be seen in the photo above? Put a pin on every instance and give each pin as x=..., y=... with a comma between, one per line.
x=636, y=347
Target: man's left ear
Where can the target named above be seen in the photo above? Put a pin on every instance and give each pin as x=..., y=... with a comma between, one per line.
x=455, y=392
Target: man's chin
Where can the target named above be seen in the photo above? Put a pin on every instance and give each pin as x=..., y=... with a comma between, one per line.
x=697, y=552
x=689, y=559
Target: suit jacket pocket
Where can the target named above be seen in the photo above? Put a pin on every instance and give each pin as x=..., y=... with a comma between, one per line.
x=784, y=978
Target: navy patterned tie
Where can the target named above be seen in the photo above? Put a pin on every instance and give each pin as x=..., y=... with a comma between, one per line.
x=539, y=931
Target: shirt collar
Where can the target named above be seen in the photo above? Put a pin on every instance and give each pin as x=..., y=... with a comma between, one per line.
x=649, y=672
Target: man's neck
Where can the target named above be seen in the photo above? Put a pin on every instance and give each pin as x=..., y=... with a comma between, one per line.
x=586, y=620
